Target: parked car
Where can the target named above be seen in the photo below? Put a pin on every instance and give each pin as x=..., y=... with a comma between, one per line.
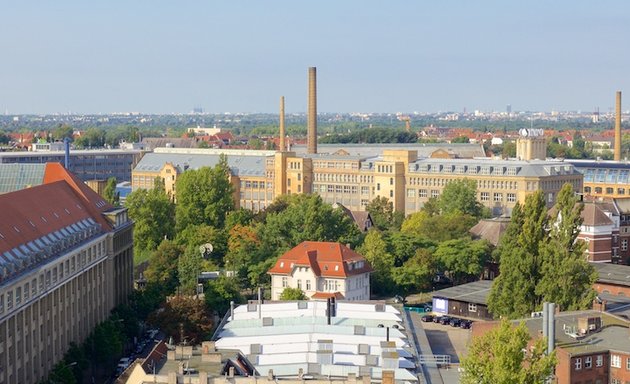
x=436, y=319
x=455, y=322
x=445, y=320
x=465, y=324
x=427, y=318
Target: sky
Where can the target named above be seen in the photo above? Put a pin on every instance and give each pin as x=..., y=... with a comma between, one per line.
x=155, y=56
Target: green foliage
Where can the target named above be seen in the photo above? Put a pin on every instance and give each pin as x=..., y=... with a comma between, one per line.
x=374, y=249
x=197, y=235
x=108, y=340
x=463, y=258
x=189, y=265
x=62, y=131
x=306, y=217
x=292, y=294
x=383, y=215
x=498, y=358
x=163, y=263
x=204, y=196
x=372, y=135
x=416, y=273
x=567, y=278
x=153, y=213
x=220, y=292
x=438, y=228
x=541, y=260
x=91, y=138
x=460, y=196
x=109, y=193
x=404, y=245
x=513, y=291
x=61, y=373
x=184, y=316
x=460, y=139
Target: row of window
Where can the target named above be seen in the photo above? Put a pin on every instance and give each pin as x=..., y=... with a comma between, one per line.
x=348, y=189
x=336, y=164
x=21, y=294
x=339, y=178
x=588, y=362
x=619, y=176
x=470, y=169
x=255, y=184
x=609, y=190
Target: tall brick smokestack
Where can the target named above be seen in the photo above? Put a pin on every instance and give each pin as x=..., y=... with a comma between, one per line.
x=618, y=127
x=311, y=134
x=283, y=146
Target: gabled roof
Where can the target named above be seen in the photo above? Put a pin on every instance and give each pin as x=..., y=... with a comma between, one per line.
x=593, y=216
x=326, y=295
x=491, y=229
x=327, y=259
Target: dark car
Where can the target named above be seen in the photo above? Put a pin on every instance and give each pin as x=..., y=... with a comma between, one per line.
x=427, y=318
x=445, y=320
x=437, y=319
x=455, y=322
x=465, y=324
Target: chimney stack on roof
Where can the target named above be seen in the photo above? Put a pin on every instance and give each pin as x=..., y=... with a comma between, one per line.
x=618, y=127
x=311, y=134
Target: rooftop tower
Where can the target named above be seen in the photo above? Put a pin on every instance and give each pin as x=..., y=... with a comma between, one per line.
x=311, y=135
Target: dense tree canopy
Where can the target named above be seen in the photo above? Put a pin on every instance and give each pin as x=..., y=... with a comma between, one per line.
x=109, y=193
x=502, y=356
x=460, y=196
x=542, y=260
x=154, y=216
x=463, y=259
x=383, y=215
x=204, y=196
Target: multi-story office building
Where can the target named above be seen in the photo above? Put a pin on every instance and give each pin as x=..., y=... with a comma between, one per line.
x=604, y=178
x=96, y=164
x=399, y=175
x=66, y=259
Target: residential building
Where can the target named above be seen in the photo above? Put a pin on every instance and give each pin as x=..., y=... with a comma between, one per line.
x=322, y=270
x=66, y=260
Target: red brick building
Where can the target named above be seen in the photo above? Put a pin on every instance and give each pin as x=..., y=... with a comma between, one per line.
x=591, y=347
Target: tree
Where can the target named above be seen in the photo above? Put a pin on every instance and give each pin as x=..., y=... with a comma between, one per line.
x=415, y=274
x=566, y=276
x=461, y=139
x=62, y=131
x=542, y=260
x=292, y=294
x=439, y=228
x=109, y=193
x=306, y=217
x=460, y=196
x=220, y=292
x=184, y=316
x=189, y=265
x=163, y=264
x=383, y=215
x=502, y=356
x=204, y=196
x=198, y=235
x=513, y=291
x=374, y=249
x=463, y=258
x=153, y=213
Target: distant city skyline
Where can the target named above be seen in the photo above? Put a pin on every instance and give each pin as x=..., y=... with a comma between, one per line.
x=371, y=56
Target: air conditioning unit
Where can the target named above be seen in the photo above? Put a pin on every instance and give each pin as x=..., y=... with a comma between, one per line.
x=536, y=314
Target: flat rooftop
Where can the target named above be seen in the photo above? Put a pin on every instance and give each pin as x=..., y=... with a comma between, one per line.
x=362, y=338
x=476, y=292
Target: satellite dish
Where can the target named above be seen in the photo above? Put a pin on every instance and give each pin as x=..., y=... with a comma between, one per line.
x=206, y=249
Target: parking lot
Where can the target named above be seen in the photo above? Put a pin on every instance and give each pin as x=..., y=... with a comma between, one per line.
x=447, y=340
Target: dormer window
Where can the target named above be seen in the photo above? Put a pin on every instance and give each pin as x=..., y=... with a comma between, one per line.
x=336, y=267
x=282, y=264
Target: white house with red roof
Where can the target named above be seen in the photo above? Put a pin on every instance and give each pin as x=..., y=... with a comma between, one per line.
x=322, y=270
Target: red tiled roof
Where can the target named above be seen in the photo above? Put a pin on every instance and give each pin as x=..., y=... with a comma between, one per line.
x=34, y=212
x=326, y=295
x=327, y=259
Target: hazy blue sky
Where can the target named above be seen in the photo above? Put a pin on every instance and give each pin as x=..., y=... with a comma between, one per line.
x=371, y=56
